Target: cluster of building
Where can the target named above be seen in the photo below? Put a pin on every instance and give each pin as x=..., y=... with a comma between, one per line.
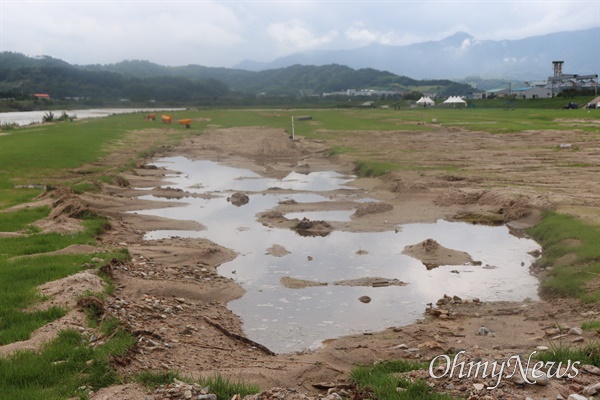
x=361, y=92
x=546, y=89
x=549, y=88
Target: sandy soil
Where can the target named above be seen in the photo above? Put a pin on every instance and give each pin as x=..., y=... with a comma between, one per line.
x=174, y=301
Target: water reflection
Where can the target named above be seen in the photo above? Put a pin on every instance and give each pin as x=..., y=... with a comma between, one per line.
x=34, y=117
x=293, y=319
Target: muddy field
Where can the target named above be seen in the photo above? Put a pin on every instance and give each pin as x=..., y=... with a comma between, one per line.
x=172, y=297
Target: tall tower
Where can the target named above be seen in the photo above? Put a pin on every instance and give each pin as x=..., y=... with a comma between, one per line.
x=557, y=68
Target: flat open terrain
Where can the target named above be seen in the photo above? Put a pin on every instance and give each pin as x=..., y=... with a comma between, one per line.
x=476, y=165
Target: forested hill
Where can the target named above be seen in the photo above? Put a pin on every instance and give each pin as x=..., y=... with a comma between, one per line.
x=143, y=81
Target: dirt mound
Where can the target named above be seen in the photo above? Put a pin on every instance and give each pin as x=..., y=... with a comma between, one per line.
x=372, y=208
x=66, y=204
x=510, y=204
x=432, y=254
x=294, y=283
x=277, y=250
x=64, y=292
x=395, y=183
x=459, y=196
x=370, y=281
x=307, y=227
x=238, y=199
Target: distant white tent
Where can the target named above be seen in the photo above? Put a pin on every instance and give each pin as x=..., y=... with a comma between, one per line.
x=425, y=101
x=455, y=100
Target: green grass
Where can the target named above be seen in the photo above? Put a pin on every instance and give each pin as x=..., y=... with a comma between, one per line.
x=36, y=154
x=154, y=379
x=86, y=187
x=381, y=380
x=19, y=220
x=336, y=150
x=63, y=365
x=224, y=388
x=563, y=235
x=370, y=168
x=591, y=325
x=588, y=354
x=18, y=281
x=19, y=276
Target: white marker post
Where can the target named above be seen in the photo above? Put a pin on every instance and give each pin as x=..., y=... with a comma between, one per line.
x=292, y=128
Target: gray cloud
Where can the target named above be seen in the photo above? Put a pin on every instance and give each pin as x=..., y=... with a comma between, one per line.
x=222, y=33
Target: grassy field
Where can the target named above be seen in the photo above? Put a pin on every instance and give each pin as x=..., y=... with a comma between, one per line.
x=48, y=154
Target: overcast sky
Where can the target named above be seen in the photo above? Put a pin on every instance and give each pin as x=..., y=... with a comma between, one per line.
x=223, y=33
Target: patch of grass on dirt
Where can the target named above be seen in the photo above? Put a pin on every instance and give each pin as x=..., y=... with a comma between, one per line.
x=492, y=219
x=591, y=325
x=19, y=276
x=588, y=354
x=335, y=150
x=86, y=187
x=224, y=388
x=373, y=168
x=154, y=379
x=382, y=380
x=19, y=220
x=562, y=235
x=577, y=165
x=18, y=281
x=47, y=242
x=62, y=367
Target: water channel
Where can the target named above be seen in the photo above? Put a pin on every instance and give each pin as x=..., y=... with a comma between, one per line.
x=287, y=320
x=36, y=117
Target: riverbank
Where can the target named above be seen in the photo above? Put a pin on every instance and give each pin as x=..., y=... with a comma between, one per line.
x=173, y=299
x=518, y=328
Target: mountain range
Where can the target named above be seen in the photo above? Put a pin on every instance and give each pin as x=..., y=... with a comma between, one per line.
x=461, y=55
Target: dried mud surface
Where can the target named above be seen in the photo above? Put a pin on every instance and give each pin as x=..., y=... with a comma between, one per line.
x=173, y=299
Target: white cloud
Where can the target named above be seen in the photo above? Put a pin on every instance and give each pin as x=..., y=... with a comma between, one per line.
x=297, y=34
x=222, y=33
x=361, y=35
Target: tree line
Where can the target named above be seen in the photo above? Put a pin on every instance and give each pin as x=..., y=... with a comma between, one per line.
x=144, y=82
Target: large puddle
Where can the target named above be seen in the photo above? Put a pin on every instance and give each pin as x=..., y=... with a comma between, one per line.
x=287, y=320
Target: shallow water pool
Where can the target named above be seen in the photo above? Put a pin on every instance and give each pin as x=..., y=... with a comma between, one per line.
x=287, y=320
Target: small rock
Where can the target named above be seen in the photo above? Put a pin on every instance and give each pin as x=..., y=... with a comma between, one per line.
x=478, y=386
x=576, y=331
x=591, y=389
x=540, y=377
x=364, y=299
x=577, y=397
x=238, y=199
x=591, y=369
x=483, y=331
x=187, y=394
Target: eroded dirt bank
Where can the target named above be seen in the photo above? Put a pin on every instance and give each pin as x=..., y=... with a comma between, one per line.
x=173, y=299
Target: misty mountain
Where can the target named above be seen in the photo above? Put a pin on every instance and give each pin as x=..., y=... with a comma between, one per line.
x=461, y=55
x=140, y=80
